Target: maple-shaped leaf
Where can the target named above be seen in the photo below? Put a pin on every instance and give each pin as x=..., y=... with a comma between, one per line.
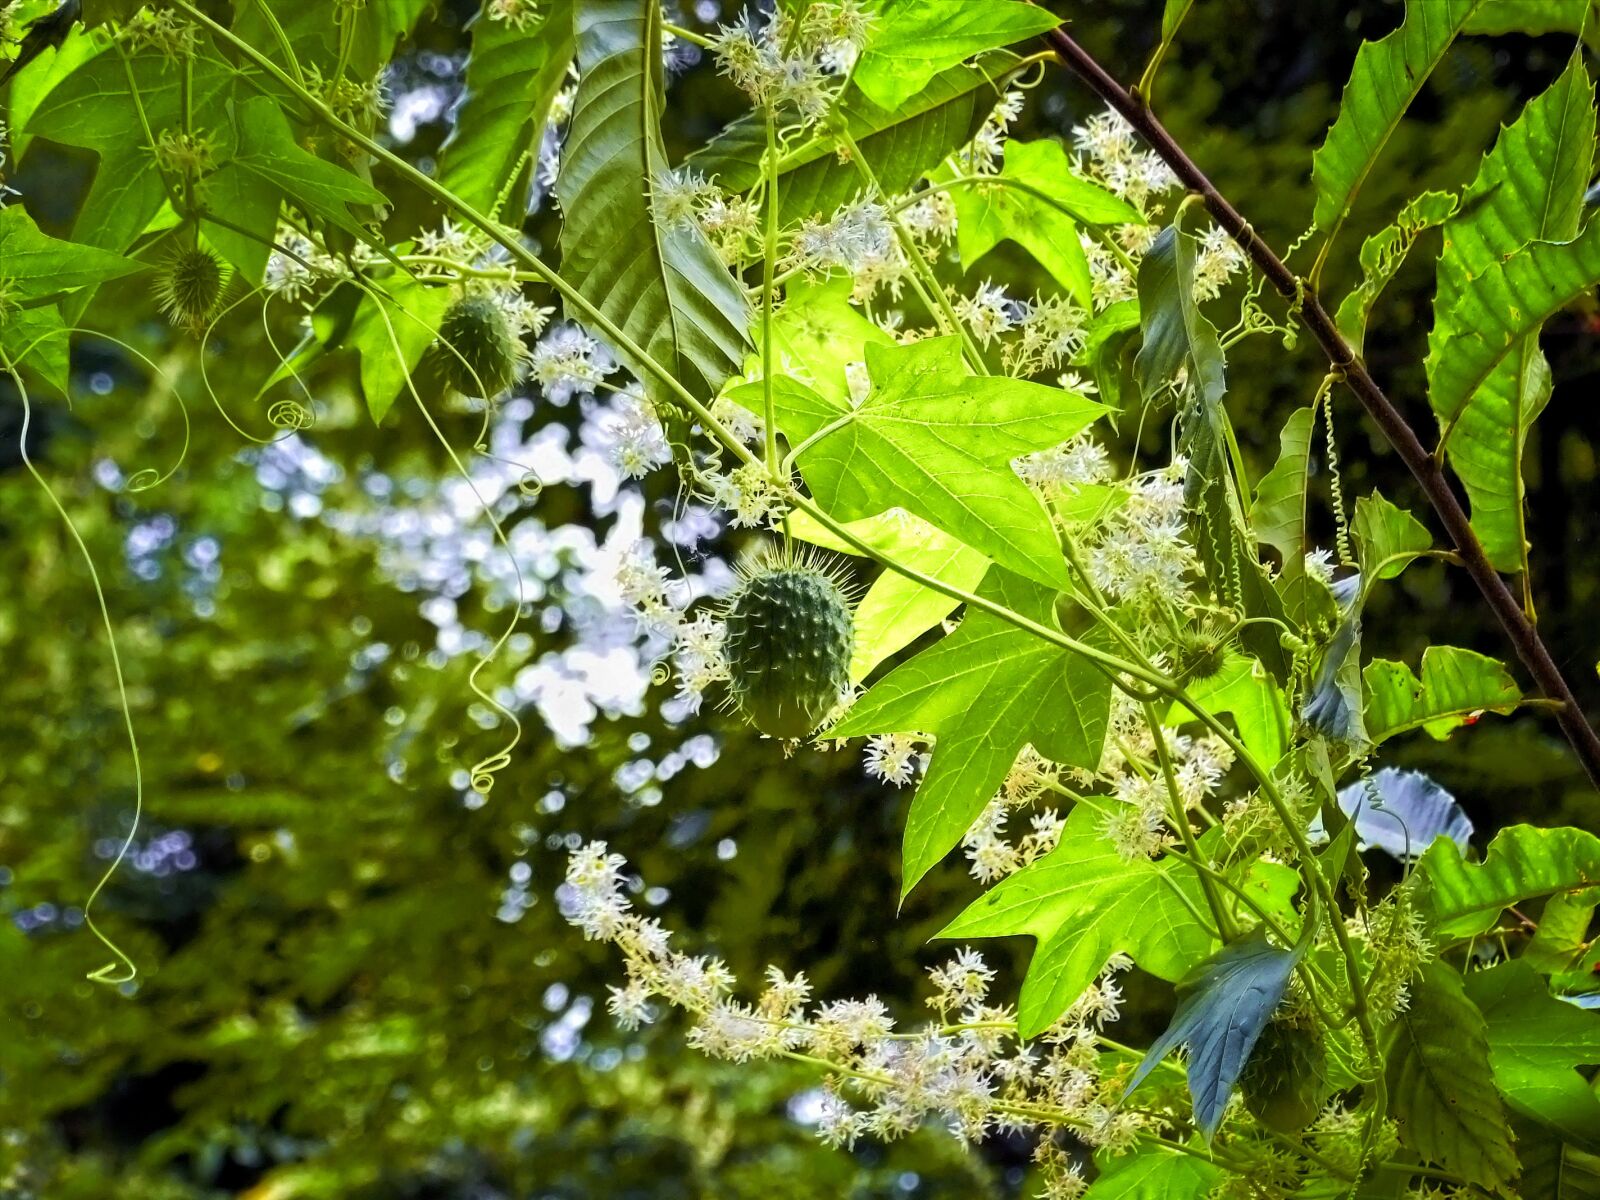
x=90, y=108
x=938, y=442
x=984, y=692
x=1084, y=902
x=1037, y=201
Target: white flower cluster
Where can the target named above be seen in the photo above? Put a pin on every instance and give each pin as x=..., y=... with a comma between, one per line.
x=1141, y=550
x=732, y=224
x=968, y=1071
x=634, y=438
x=1048, y=330
x=521, y=15
x=1109, y=153
x=1082, y=460
x=566, y=361
x=894, y=757
x=988, y=848
x=795, y=67
x=301, y=268
x=1140, y=810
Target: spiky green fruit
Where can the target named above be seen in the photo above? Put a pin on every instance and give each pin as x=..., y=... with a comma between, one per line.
x=1286, y=1080
x=788, y=647
x=479, y=351
x=190, y=287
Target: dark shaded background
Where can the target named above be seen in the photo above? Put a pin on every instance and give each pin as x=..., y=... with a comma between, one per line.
x=330, y=1007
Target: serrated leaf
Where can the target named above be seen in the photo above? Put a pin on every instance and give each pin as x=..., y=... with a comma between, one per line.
x=902, y=144
x=391, y=332
x=1082, y=903
x=664, y=287
x=1382, y=255
x=816, y=334
x=1387, y=538
x=1463, y=898
x=1402, y=812
x=266, y=148
x=1037, y=201
x=89, y=108
x=37, y=266
x=1535, y=17
x=896, y=610
x=1455, y=686
x=938, y=442
x=1536, y=1045
x=913, y=40
x=1226, y=1003
x=1529, y=188
x=1153, y=1173
x=1386, y=78
x=984, y=692
x=36, y=338
x=512, y=75
x=1441, y=1090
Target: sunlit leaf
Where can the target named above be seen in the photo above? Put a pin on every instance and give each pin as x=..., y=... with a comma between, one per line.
x=1456, y=685
x=913, y=40
x=1465, y=898
x=1082, y=903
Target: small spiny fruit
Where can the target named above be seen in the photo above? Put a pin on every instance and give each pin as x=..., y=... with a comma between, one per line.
x=191, y=287
x=1202, y=652
x=479, y=351
x=1286, y=1080
x=788, y=644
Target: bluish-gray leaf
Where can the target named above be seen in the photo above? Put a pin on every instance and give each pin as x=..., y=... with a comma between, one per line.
x=1402, y=812
x=1226, y=1004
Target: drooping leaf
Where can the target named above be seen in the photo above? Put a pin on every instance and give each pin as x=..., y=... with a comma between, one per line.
x=896, y=610
x=901, y=144
x=938, y=442
x=1402, y=812
x=1037, y=201
x=1529, y=189
x=1536, y=1046
x=266, y=148
x=984, y=692
x=391, y=331
x=1333, y=707
x=1176, y=333
x=1387, y=76
x=1082, y=903
x=318, y=41
x=37, y=266
x=1226, y=1003
x=1382, y=255
x=913, y=40
x=1387, y=538
x=1523, y=861
x=512, y=75
x=1278, y=515
x=1456, y=686
x=1154, y=1173
x=37, y=338
x=1553, y=1169
x=1441, y=1090
x=89, y=108
x=664, y=286
x=1535, y=17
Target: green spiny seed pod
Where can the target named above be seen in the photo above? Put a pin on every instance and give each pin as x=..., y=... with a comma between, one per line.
x=1286, y=1079
x=788, y=645
x=1202, y=652
x=479, y=352
x=190, y=287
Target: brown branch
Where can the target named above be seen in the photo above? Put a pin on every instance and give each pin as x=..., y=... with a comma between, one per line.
x=1304, y=300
